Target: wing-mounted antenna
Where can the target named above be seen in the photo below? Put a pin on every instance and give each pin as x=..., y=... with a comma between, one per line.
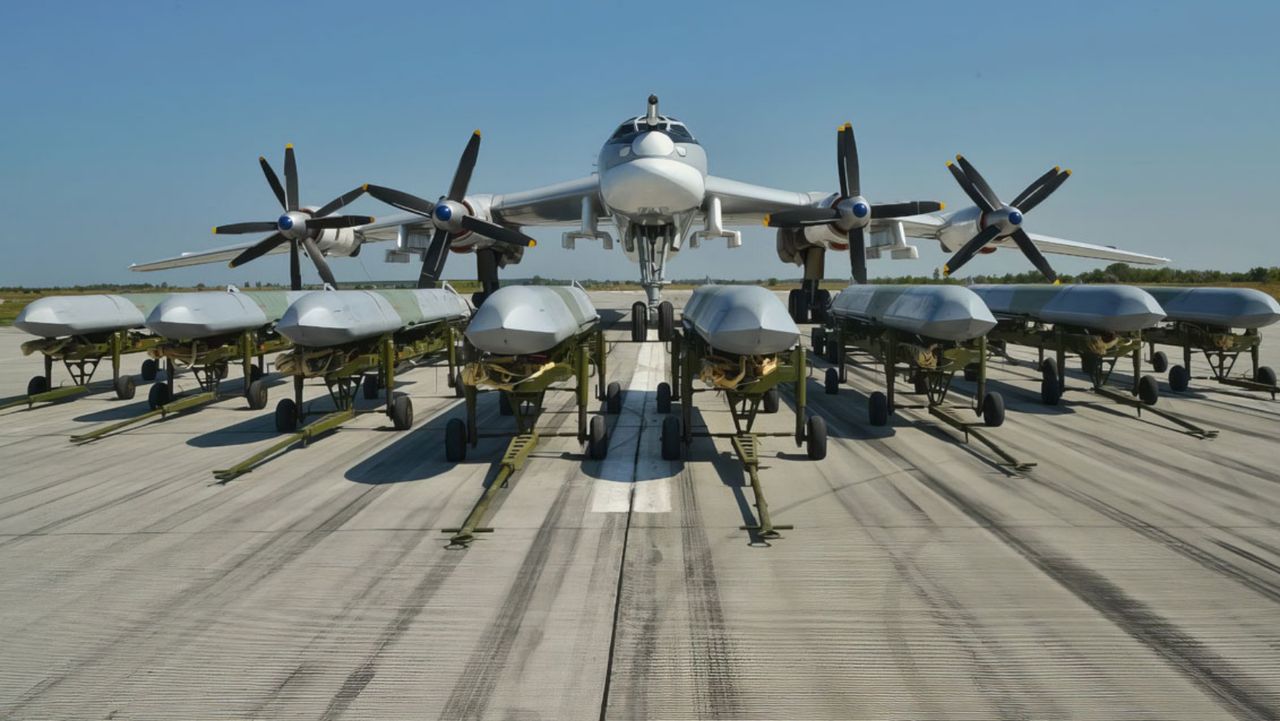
x=651, y=118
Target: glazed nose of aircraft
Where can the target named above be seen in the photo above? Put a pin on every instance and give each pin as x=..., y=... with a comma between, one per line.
x=652, y=145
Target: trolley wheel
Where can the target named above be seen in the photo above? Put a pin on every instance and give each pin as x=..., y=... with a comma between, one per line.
x=639, y=322
x=1050, y=389
x=920, y=383
x=478, y=298
x=455, y=440
x=402, y=412
x=1089, y=364
x=1266, y=376
x=150, y=369
x=221, y=370
x=793, y=302
x=971, y=372
x=613, y=398
x=771, y=401
x=158, y=395
x=457, y=384
x=832, y=381
x=815, y=438
x=256, y=395
x=370, y=386
x=878, y=409
x=1159, y=362
x=597, y=439
x=664, y=398
x=37, y=385
x=666, y=321
x=833, y=350
x=504, y=404
x=1148, y=390
x=286, y=416
x=671, y=438
x=821, y=302
x=1049, y=365
x=818, y=339
x=1179, y=379
x=993, y=410
x=124, y=387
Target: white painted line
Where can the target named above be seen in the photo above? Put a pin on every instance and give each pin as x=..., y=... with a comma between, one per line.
x=631, y=481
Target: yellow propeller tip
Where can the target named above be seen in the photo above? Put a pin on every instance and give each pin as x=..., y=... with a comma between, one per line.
x=1057, y=281
x=1057, y=168
x=1067, y=171
x=365, y=187
x=946, y=270
x=372, y=219
x=942, y=206
x=288, y=146
x=765, y=220
x=477, y=132
x=215, y=230
x=949, y=163
x=533, y=243
x=959, y=156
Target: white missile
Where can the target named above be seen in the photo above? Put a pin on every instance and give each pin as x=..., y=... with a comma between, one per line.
x=944, y=312
x=1225, y=307
x=190, y=316
x=59, y=316
x=1115, y=308
x=741, y=319
x=325, y=318
x=525, y=319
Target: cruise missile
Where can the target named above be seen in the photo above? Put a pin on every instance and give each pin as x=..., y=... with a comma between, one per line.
x=525, y=319
x=1115, y=308
x=59, y=316
x=742, y=319
x=1225, y=307
x=325, y=318
x=190, y=316
x=944, y=312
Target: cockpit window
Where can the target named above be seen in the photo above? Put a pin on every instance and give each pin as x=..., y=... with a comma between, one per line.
x=632, y=128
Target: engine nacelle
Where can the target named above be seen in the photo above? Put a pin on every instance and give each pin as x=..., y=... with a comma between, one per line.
x=826, y=236
x=339, y=241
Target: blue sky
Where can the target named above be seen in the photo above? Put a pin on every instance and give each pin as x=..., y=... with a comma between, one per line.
x=131, y=128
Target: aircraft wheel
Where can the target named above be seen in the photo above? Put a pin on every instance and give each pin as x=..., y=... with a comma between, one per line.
x=815, y=440
x=639, y=322
x=1266, y=376
x=771, y=402
x=1049, y=364
x=597, y=439
x=370, y=387
x=37, y=385
x=818, y=338
x=402, y=412
x=456, y=382
x=504, y=404
x=256, y=395
x=878, y=409
x=664, y=398
x=1159, y=362
x=671, y=438
x=920, y=383
x=158, y=395
x=821, y=302
x=993, y=410
x=286, y=416
x=971, y=372
x=455, y=440
x=832, y=381
x=613, y=398
x=833, y=351
x=1179, y=379
x=478, y=298
x=666, y=321
x=150, y=368
x=125, y=387
x=1148, y=390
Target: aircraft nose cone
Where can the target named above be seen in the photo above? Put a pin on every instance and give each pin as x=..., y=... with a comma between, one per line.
x=285, y=222
x=652, y=145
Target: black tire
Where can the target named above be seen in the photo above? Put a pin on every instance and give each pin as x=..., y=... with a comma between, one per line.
x=878, y=409
x=455, y=440
x=821, y=302
x=818, y=340
x=222, y=370
x=1049, y=365
x=833, y=350
x=478, y=298
x=613, y=398
x=920, y=383
x=286, y=416
x=832, y=381
x=458, y=390
x=1266, y=376
x=256, y=395
x=1090, y=364
x=1148, y=390
x=402, y=413
x=664, y=398
x=1050, y=389
x=639, y=322
x=37, y=385
x=993, y=410
x=1179, y=379
x=504, y=404
x=158, y=395
x=1159, y=362
x=666, y=321
x=815, y=441
x=771, y=402
x=150, y=369
x=370, y=386
x=597, y=438
x=124, y=387
x=671, y=438
x=793, y=300
x=972, y=372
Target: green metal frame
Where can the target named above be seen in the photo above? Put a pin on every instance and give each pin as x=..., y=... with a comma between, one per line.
x=1221, y=347
x=81, y=356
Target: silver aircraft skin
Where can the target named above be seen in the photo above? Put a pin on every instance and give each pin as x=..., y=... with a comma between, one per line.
x=654, y=187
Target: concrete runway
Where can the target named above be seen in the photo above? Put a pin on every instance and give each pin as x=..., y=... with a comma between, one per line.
x=1133, y=573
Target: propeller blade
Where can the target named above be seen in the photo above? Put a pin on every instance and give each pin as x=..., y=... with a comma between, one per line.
x=850, y=160
x=979, y=182
x=317, y=257
x=257, y=250
x=497, y=232
x=339, y=202
x=1044, y=191
x=273, y=181
x=968, y=188
x=239, y=228
x=433, y=260
x=968, y=250
x=290, y=178
x=340, y=221
x=902, y=210
x=800, y=217
x=858, y=254
x=403, y=201
x=840, y=153
x=1035, y=185
x=1033, y=254
x=295, y=268
x=462, y=177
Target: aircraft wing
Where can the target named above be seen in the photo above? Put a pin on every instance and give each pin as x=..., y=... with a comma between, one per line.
x=223, y=254
x=558, y=204
x=1049, y=244
x=747, y=204
x=388, y=227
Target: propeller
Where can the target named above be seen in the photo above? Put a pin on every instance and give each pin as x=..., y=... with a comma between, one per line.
x=450, y=216
x=1000, y=220
x=297, y=226
x=850, y=213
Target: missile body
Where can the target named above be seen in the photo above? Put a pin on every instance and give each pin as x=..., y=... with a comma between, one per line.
x=189, y=316
x=1115, y=308
x=325, y=318
x=1226, y=307
x=742, y=319
x=525, y=319
x=58, y=316
x=944, y=312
